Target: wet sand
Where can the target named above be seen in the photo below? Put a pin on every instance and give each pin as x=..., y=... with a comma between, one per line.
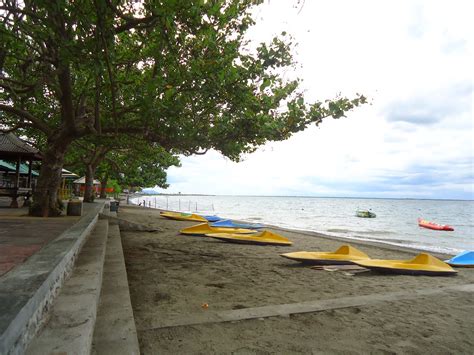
x=182, y=286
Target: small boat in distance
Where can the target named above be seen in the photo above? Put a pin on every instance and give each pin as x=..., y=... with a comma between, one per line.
x=431, y=225
x=365, y=214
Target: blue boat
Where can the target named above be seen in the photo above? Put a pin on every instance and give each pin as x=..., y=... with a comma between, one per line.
x=465, y=259
x=212, y=218
x=228, y=223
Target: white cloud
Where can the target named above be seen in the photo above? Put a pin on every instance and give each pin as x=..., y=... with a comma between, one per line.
x=413, y=58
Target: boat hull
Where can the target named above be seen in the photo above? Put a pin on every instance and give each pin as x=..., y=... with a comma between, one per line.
x=434, y=226
x=178, y=216
x=465, y=259
x=422, y=264
x=205, y=228
x=262, y=238
x=365, y=214
x=345, y=255
x=231, y=224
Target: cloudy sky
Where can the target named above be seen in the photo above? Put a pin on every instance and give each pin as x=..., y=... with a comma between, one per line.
x=413, y=59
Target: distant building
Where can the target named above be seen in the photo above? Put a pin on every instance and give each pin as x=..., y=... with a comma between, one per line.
x=80, y=186
x=17, y=178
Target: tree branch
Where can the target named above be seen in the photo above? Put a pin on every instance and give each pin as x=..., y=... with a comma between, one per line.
x=36, y=122
x=201, y=152
x=15, y=10
x=130, y=21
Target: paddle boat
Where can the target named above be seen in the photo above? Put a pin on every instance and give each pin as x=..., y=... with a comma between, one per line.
x=431, y=225
x=228, y=223
x=365, y=214
x=346, y=254
x=262, y=238
x=205, y=228
x=422, y=264
x=179, y=216
x=212, y=218
x=465, y=259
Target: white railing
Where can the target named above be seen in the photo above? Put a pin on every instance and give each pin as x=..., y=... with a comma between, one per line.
x=166, y=203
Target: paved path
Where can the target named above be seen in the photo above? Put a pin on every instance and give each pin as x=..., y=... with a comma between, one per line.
x=21, y=236
x=29, y=289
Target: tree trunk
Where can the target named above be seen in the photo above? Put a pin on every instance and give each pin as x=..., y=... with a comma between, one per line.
x=45, y=198
x=89, y=192
x=103, y=186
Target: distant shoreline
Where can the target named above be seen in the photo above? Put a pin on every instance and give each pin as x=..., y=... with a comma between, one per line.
x=319, y=197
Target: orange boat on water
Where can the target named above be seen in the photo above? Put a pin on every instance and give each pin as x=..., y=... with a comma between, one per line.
x=431, y=225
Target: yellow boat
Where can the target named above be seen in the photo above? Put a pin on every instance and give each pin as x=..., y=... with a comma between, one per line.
x=422, y=264
x=183, y=216
x=264, y=238
x=205, y=228
x=346, y=254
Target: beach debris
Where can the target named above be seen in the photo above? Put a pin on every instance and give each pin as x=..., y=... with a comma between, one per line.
x=205, y=306
x=332, y=268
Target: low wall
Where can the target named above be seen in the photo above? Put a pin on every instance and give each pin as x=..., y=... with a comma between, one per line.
x=27, y=292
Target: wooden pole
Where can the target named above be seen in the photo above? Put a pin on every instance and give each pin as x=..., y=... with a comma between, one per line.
x=30, y=172
x=17, y=173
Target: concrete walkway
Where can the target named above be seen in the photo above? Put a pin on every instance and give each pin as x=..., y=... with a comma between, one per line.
x=21, y=235
x=66, y=291
x=29, y=289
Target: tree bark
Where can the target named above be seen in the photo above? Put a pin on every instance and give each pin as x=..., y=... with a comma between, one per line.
x=103, y=186
x=89, y=192
x=45, y=198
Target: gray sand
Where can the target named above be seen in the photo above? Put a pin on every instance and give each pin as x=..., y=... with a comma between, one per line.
x=174, y=276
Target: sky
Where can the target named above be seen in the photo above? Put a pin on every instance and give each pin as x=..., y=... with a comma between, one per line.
x=413, y=59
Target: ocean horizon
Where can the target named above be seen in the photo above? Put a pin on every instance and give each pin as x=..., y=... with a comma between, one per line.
x=395, y=224
x=302, y=196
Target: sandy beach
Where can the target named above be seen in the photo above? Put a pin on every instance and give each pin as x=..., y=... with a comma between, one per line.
x=197, y=295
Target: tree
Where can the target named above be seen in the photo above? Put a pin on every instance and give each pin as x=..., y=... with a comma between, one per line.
x=130, y=161
x=85, y=156
x=176, y=73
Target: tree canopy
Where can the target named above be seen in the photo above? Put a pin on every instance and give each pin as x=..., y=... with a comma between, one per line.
x=132, y=162
x=176, y=73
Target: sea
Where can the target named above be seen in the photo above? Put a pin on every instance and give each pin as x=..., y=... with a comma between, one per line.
x=396, y=222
